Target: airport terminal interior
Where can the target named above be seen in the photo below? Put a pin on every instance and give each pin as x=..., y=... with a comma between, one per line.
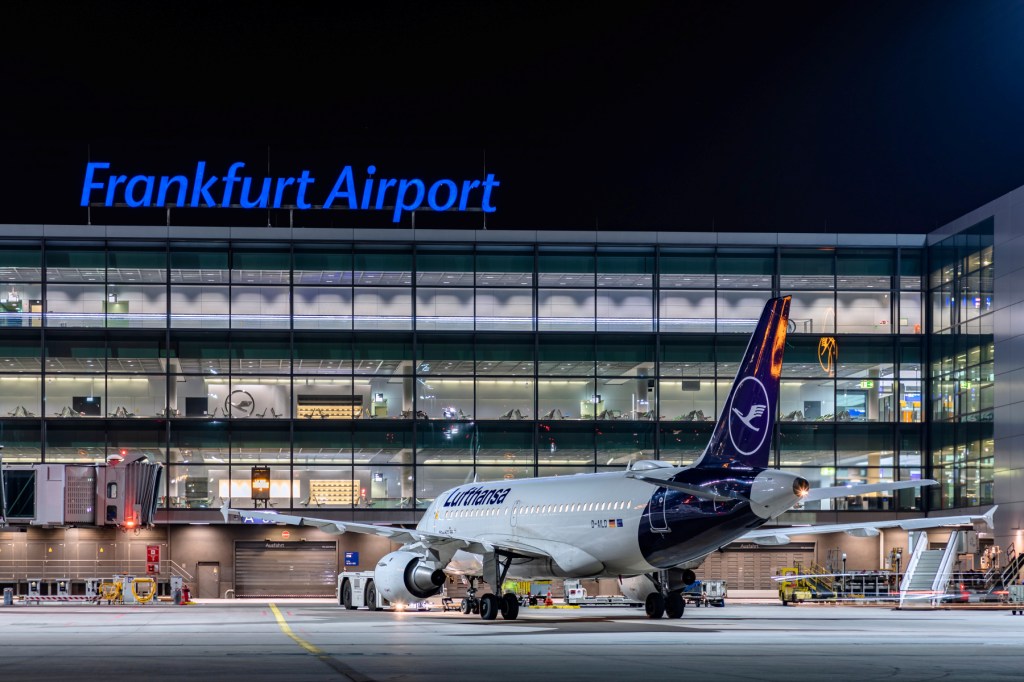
x=353, y=374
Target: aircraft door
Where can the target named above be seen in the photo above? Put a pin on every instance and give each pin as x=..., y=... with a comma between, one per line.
x=515, y=512
x=659, y=524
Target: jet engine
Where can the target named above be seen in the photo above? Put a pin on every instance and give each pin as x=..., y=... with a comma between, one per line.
x=639, y=587
x=407, y=577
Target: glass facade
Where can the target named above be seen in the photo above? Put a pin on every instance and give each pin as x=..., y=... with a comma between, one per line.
x=377, y=375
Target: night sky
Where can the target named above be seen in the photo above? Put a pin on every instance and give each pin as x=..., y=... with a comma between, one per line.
x=729, y=116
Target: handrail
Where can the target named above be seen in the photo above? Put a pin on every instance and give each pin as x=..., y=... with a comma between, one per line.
x=80, y=569
x=920, y=547
x=941, y=579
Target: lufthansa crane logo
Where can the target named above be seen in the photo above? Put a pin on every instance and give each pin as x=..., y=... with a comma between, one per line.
x=828, y=350
x=748, y=416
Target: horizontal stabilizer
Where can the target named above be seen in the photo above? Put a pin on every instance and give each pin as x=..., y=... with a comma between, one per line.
x=844, y=490
x=696, y=491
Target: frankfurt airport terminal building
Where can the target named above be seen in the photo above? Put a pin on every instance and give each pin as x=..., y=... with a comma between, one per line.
x=370, y=370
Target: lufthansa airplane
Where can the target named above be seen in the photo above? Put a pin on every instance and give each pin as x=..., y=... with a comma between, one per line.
x=649, y=525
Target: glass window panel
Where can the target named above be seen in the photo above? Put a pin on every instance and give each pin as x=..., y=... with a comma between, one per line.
x=806, y=445
x=444, y=266
x=739, y=311
x=261, y=264
x=385, y=397
x=626, y=398
x=865, y=268
x=261, y=443
x=568, y=399
x=20, y=352
x=729, y=352
x=199, y=396
x=632, y=356
x=318, y=442
x=444, y=355
x=911, y=269
x=504, y=309
x=565, y=310
x=284, y=492
x=76, y=441
x=866, y=445
x=687, y=400
x=910, y=353
x=323, y=307
x=199, y=263
x=21, y=305
x=806, y=401
x=746, y=269
x=506, y=354
x=812, y=357
x=323, y=354
x=565, y=267
x=623, y=442
x=813, y=312
x=20, y=261
x=78, y=262
x=141, y=437
x=136, y=396
x=908, y=440
x=505, y=443
x=689, y=356
x=265, y=354
x=561, y=355
x=20, y=396
x=504, y=398
x=565, y=443
x=382, y=442
x=328, y=398
x=433, y=480
x=861, y=357
x=686, y=311
x=382, y=308
x=203, y=307
x=199, y=353
x=259, y=397
x=382, y=266
x=504, y=266
x=198, y=442
x=911, y=320
x=22, y=441
x=445, y=442
x=383, y=355
x=387, y=487
x=260, y=308
x=857, y=475
x=806, y=269
x=625, y=311
x=682, y=444
x=625, y=267
x=863, y=313
x=195, y=486
x=444, y=308
x=81, y=352
x=507, y=472
x=439, y=398
x=332, y=487
x=75, y=396
x=136, y=305
x=75, y=305
x=131, y=264
x=322, y=265
x=687, y=269
x=567, y=470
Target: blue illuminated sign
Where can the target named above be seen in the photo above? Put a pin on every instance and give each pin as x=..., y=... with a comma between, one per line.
x=103, y=187
x=351, y=558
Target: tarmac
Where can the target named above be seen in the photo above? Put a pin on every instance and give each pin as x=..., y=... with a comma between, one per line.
x=296, y=640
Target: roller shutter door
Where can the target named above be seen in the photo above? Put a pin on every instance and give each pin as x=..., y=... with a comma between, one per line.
x=751, y=567
x=285, y=569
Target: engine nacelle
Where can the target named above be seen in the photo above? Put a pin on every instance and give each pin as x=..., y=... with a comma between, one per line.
x=638, y=587
x=407, y=577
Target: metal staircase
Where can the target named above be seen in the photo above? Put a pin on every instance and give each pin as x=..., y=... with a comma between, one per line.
x=928, y=571
x=1000, y=579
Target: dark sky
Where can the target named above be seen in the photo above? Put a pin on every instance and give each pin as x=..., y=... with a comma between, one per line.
x=751, y=116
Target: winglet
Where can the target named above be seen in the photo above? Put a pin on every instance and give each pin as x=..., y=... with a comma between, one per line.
x=990, y=517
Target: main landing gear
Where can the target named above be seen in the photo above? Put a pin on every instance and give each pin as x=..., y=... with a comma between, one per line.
x=664, y=602
x=490, y=605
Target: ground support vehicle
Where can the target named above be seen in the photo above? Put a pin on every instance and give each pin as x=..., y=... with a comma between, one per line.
x=706, y=593
x=1016, y=596
x=357, y=590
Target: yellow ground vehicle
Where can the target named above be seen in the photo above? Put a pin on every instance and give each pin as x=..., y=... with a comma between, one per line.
x=805, y=585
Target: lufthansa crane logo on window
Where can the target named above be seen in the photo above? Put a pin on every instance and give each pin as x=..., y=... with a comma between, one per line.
x=748, y=416
x=828, y=351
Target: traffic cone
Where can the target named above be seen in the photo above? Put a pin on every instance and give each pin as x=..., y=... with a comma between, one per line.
x=548, y=601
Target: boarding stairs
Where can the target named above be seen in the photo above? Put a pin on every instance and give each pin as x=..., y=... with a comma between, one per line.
x=929, y=571
x=999, y=579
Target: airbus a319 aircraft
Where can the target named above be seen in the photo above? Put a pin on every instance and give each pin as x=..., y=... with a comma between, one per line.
x=649, y=525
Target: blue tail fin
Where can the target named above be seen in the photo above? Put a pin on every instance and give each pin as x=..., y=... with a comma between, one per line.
x=743, y=435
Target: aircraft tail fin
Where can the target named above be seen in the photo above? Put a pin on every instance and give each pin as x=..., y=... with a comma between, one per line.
x=743, y=434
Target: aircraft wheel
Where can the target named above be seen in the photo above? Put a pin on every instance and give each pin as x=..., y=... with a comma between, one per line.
x=346, y=595
x=675, y=605
x=371, y=595
x=655, y=605
x=489, y=606
x=510, y=606
x=466, y=607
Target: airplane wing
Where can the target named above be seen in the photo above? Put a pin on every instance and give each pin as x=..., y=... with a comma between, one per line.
x=404, y=536
x=816, y=494
x=777, y=535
